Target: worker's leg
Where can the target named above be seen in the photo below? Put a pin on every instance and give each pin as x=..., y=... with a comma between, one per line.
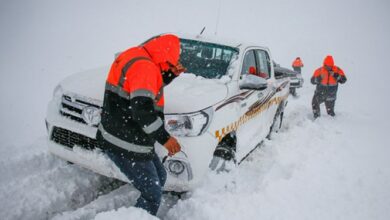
x=315, y=104
x=330, y=100
x=161, y=172
x=329, y=104
x=145, y=177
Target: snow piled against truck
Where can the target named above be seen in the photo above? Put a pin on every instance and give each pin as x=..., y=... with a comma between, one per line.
x=331, y=168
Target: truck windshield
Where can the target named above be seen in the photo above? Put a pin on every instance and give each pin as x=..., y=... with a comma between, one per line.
x=206, y=59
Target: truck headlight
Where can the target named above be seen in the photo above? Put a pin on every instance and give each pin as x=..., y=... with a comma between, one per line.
x=192, y=124
x=176, y=167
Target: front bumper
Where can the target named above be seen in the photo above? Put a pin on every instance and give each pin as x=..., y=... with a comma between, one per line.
x=76, y=142
x=296, y=82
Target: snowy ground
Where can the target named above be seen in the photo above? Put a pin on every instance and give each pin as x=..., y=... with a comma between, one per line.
x=331, y=168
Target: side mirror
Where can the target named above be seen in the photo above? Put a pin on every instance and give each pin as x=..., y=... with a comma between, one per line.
x=279, y=74
x=275, y=64
x=253, y=82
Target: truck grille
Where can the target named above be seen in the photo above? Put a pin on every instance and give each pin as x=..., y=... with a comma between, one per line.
x=295, y=84
x=70, y=139
x=73, y=108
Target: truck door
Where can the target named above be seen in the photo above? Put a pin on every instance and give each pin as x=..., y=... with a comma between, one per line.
x=267, y=115
x=249, y=133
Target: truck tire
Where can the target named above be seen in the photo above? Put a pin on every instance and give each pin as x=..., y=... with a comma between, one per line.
x=224, y=157
x=277, y=121
x=293, y=92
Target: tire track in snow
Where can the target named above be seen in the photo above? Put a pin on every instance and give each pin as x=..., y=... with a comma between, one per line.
x=35, y=184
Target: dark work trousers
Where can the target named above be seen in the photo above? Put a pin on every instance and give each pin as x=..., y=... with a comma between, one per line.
x=147, y=176
x=325, y=94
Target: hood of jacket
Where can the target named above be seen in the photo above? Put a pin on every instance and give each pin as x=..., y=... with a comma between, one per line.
x=163, y=49
x=328, y=61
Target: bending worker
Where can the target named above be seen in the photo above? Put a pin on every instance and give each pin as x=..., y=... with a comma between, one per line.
x=132, y=115
x=327, y=79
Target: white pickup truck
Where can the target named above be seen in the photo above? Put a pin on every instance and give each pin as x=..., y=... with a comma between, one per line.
x=220, y=110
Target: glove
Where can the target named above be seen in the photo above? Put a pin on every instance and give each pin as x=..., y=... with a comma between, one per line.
x=336, y=75
x=168, y=76
x=315, y=80
x=172, y=146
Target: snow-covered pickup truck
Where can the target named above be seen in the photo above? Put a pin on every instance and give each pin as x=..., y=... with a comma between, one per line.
x=220, y=110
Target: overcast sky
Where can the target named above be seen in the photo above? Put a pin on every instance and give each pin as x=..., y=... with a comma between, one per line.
x=40, y=46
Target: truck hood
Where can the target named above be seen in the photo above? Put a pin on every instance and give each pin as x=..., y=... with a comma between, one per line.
x=189, y=93
x=89, y=84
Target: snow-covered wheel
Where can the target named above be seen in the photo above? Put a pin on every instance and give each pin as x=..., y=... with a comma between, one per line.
x=277, y=121
x=293, y=92
x=224, y=158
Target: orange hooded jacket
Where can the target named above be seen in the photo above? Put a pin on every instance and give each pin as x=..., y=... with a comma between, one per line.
x=330, y=77
x=297, y=62
x=143, y=75
x=132, y=114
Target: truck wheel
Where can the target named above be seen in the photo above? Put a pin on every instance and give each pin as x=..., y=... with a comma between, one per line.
x=277, y=122
x=293, y=92
x=224, y=158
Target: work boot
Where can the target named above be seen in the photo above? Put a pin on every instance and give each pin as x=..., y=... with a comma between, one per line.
x=316, y=114
x=330, y=112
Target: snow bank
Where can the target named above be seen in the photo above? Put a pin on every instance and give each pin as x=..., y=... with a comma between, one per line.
x=124, y=214
x=331, y=168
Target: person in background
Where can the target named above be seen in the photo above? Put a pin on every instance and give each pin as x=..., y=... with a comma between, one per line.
x=297, y=65
x=132, y=115
x=327, y=79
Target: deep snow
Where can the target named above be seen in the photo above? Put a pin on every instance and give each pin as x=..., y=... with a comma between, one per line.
x=332, y=168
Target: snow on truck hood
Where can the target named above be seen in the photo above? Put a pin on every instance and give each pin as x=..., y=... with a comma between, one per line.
x=190, y=93
x=89, y=84
x=187, y=93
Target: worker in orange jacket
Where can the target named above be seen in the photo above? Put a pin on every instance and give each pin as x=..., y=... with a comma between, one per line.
x=297, y=65
x=132, y=116
x=327, y=79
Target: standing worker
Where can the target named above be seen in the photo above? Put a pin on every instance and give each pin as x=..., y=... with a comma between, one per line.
x=326, y=78
x=297, y=65
x=132, y=115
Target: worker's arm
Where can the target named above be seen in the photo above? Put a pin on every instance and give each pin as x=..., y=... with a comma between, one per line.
x=316, y=78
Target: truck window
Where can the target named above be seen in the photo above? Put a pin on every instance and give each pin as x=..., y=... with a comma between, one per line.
x=249, y=61
x=206, y=59
x=263, y=62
